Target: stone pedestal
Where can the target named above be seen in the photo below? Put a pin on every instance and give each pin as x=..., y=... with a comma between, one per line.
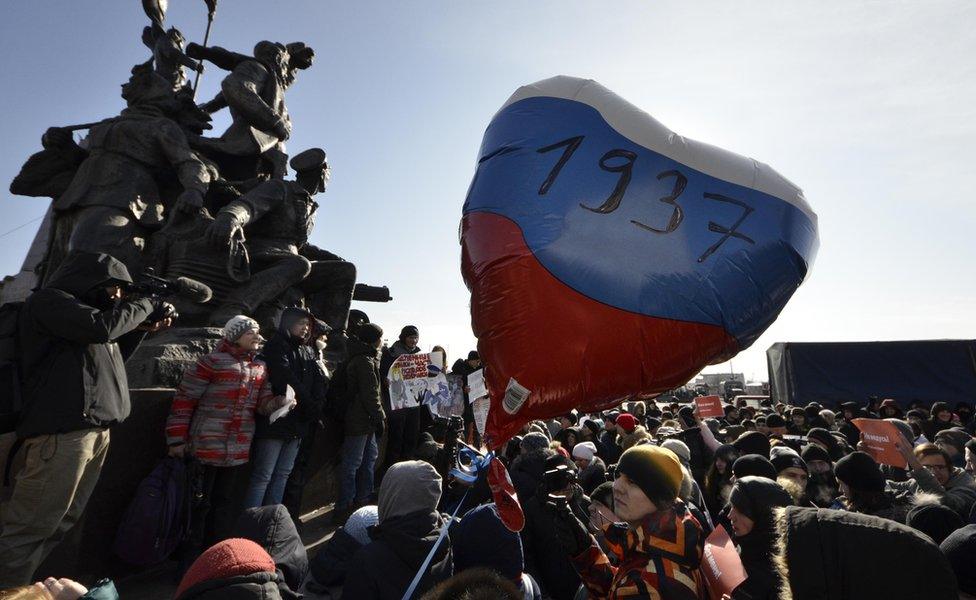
x=162, y=358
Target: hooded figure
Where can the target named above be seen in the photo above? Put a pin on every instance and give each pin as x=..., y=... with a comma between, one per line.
x=73, y=329
x=833, y=555
x=271, y=528
x=755, y=498
x=409, y=526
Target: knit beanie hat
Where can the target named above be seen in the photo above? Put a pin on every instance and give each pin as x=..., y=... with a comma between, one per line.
x=627, y=421
x=655, y=470
x=679, y=448
x=238, y=326
x=775, y=421
x=359, y=522
x=756, y=497
x=955, y=437
x=753, y=465
x=784, y=457
x=813, y=452
x=594, y=426
x=230, y=558
x=860, y=472
x=752, y=442
x=482, y=540
x=960, y=549
x=408, y=331
x=934, y=520
x=369, y=333
x=584, y=450
x=823, y=436
x=534, y=441
x=904, y=428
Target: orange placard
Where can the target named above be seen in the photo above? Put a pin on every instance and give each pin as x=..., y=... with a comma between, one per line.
x=879, y=438
x=709, y=406
x=721, y=565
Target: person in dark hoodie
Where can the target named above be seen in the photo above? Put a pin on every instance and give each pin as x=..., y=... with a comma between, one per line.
x=529, y=467
x=235, y=569
x=75, y=335
x=272, y=528
x=751, y=515
x=409, y=527
x=482, y=540
x=364, y=422
x=940, y=417
x=835, y=555
x=404, y=424
x=292, y=363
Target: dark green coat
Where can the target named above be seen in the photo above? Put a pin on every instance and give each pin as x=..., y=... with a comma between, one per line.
x=365, y=410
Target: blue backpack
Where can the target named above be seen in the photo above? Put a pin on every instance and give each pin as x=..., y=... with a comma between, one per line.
x=158, y=516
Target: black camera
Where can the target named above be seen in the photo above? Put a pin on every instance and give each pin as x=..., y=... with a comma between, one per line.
x=558, y=479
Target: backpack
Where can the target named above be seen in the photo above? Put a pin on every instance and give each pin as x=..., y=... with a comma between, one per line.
x=11, y=393
x=338, y=395
x=158, y=516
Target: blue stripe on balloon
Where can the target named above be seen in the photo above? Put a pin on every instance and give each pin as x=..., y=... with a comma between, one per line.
x=742, y=286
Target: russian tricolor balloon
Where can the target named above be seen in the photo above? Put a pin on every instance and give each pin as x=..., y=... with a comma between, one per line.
x=608, y=256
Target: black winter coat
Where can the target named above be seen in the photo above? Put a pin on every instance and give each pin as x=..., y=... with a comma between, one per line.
x=330, y=565
x=544, y=558
x=73, y=354
x=384, y=568
x=364, y=412
x=256, y=586
x=292, y=363
x=272, y=528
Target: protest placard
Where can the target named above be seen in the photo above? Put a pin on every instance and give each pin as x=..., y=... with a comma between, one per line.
x=709, y=406
x=445, y=396
x=408, y=380
x=880, y=439
x=721, y=564
x=480, y=408
x=476, y=385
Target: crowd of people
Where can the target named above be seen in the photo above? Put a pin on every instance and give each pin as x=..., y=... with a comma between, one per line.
x=617, y=504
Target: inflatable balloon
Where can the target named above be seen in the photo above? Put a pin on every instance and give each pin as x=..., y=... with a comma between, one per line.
x=608, y=256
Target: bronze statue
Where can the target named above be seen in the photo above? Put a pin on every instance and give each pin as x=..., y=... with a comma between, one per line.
x=276, y=218
x=137, y=163
x=255, y=93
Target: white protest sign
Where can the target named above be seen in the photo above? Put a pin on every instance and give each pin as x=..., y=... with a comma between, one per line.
x=476, y=385
x=480, y=408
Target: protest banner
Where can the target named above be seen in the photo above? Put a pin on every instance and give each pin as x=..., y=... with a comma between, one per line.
x=709, y=406
x=408, y=379
x=880, y=440
x=721, y=564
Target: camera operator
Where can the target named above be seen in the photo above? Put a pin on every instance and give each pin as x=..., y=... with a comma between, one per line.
x=75, y=335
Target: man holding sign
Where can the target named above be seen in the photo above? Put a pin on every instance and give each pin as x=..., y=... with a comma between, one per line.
x=403, y=424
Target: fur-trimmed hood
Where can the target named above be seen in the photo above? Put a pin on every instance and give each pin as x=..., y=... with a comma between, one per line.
x=823, y=554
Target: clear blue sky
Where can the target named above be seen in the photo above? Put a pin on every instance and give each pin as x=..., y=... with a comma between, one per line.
x=870, y=107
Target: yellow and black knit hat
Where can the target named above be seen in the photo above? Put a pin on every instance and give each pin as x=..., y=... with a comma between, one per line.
x=655, y=470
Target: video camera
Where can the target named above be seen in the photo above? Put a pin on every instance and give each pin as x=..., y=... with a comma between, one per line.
x=152, y=286
x=558, y=479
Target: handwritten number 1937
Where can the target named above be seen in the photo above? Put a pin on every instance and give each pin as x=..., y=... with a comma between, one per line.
x=626, y=169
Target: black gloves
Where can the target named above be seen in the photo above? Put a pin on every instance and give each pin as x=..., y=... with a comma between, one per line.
x=570, y=532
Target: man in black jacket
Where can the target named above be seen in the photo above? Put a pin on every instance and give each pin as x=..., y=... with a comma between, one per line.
x=75, y=335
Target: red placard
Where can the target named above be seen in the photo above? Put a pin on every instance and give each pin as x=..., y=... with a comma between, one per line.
x=721, y=564
x=880, y=438
x=709, y=406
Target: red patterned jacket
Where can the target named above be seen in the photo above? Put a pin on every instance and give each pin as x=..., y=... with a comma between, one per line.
x=213, y=410
x=659, y=560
